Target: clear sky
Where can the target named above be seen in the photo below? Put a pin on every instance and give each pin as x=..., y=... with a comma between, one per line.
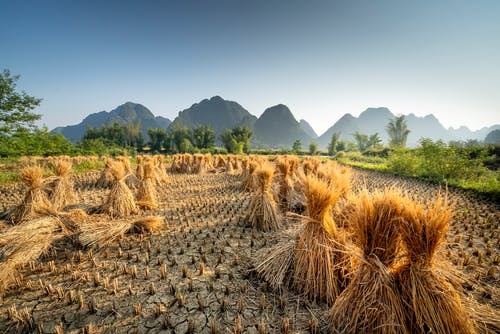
x=321, y=58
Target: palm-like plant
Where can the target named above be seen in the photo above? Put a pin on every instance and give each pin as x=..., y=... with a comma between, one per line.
x=398, y=131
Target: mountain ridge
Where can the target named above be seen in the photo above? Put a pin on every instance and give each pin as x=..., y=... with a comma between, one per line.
x=276, y=127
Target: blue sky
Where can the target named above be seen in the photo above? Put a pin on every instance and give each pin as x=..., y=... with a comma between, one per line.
x=321, y=58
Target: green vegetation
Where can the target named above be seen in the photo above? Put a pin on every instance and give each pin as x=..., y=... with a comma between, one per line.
x=297, y=147
x=398, y=131
x=237, y=140
x=470, y=167
x=313, y=148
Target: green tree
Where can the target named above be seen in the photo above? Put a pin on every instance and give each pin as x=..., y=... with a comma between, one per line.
x=397, y=131
x=313, y=148
x=297, y=146
x=15, y=107
x=374, y=140
x=237, y=140
x=332, y=146
x=178, y=136
x=203, y=136
x=361, y=140
x=157, y=136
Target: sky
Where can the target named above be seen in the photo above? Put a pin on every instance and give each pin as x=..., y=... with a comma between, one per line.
x=321, y=58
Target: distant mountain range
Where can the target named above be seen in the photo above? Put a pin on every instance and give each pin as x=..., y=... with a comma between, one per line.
x=126, y=113
x=276, y=127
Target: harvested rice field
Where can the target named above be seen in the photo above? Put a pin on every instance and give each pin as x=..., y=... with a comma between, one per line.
x=202, y=244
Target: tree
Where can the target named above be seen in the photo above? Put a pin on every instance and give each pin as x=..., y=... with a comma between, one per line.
x=397, y=131
x=361, y=140
x=332, y=147
x=203, y=136
x=374, y=140
x=157, y=137
x=313, y=148
x=15, y=107
x=236, y=140
x=297, y=146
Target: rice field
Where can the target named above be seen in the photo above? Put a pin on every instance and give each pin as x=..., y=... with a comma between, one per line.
x=228, y=244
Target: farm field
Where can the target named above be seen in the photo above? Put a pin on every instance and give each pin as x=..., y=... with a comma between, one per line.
x=195, y=273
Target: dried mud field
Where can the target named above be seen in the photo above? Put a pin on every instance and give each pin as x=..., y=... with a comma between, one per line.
x=196, y=275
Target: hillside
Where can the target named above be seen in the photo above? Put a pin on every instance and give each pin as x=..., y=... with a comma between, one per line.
x=220, y=114
x=304, y=125
x=128, y=112
x=278, y=128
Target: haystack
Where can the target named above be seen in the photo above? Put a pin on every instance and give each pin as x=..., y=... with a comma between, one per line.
x=101, y=234
x=23, y=243
x=285, y=184
x=130, y=179
x=371, y=302
x=432, y=304
x=160, y=171
x=139, y=169
x=106, y=178
x=35, y=202
x=320, y=260
x=248, y=178
x=146, y=194
x=62, y=192
x=263, y=213
x=314, y=263
x=120, y=201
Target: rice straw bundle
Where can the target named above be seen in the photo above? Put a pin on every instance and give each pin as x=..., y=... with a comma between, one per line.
x=432, y=304
x=160, y=171
x=139, y=170
x=285, y=184
x=263, y=212
x=248, y=180
x=23, y=243
x=371, y=302
x=35, y=202
x=319, y=250
x=101, y=234
x=120, y=201
x=62, y=193
x=146, y=194
x=105, y=179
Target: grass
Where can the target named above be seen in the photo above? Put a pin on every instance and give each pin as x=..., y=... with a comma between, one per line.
x=408, y=163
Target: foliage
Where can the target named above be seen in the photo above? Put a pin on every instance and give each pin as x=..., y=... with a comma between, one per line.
x=237, y=140
x=313, y=148
x=203, y=136
x=397, y=131
x=120, y=135
x=332, y=146
x=15, y=107
x=297, y=147
x=38, y=142
x=365, y=142
x=157, y=137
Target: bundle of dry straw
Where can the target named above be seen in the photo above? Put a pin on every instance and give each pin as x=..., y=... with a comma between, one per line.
x=315, y=262
x=371, y=302
x=62, y=193
x=146, y=194
x=23, y=243
x=101, y=234
x=285, y=183
x=433, y=305
x=35, y=202
x=120, y=201
x=106, y=178
x=248, y=176
x=263, y=211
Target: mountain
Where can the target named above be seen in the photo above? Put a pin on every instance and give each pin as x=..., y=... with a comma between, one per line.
x=493, y=137
x=278, y=128
x=127, y=113
x=216, y=112
x=304, y=125
x=374, y=120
